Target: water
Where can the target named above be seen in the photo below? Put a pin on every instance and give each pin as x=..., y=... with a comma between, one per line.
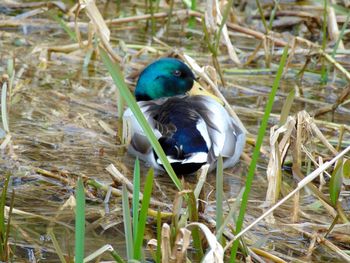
x=56, y=109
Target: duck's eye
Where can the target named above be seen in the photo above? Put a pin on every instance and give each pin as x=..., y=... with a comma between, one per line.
x=177, y=73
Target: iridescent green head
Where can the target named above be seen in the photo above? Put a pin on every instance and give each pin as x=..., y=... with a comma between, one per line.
x=165, y=77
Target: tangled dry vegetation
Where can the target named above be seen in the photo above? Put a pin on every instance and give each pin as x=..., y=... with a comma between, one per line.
x=61, y=120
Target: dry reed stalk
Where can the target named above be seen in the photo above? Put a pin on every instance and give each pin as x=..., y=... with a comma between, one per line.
x=333, y=30
x=309, y=178
x=305, y=125
x=39, y=22
x=292, y=13
x=24, y=214
x=341, y=98
x=322, y=197
x=322, y=180
x=106, y=188
x=179, y=13
x=253, y=55
x=323, y=241
x=274, y=116
x=215, y=252
x=267, y=255
x=165, y=246
x=279, y=42
x=120, y=179
x=280, y=94
x=325, y=55
x=54, y=176
x=48, y=4
x=203, y=74
x=100, y=26
x=213, y=20
x=278, y=151
x=296, y=208
x=256, y=34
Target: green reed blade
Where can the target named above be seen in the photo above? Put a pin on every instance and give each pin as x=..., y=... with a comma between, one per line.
x=341, y=34
x=324, y=73
x=136, y=196
x=2, y=218
x=256, y=152
x=79, y=221
x=118, y=79
x=117, y=257
x=4, y=116
x=231, y=214
x=127, y=224
x=273, y=13
x=56, y=245
x=147, y=192
x=336, y=182
x=219, y=195
x=159, y=238
x=194, y=217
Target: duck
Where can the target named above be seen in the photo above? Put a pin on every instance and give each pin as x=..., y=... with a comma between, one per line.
x=193, y=130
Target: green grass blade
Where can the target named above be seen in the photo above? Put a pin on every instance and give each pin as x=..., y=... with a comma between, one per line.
x=219, y=195
x=87, y=59
x=117, y=257
x=159, y=238
x=8, y=227
x=96, y=255
x=324, y=73
x=118, y=79
x=127, y=224
x=346, y=169
x=273, y=13
x=2, y=218
x=4, y=116
x=286, y=107
x=261, y=12
x=136, y=197
x=79, y=221
x=336, y=182
x=56, y=245
x=192, y=19
x=197, y=244
x=231, y=213
x=256, y=152
x=147, y=192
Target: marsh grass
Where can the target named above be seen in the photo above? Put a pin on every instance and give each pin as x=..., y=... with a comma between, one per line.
x=118, y=78
x=256, y=152
x=60, y=123
x=80, y=222
x=5, y=226
x=324, y=74
x=219, y=192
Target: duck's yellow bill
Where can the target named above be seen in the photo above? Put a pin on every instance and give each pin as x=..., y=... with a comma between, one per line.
x=197, y=89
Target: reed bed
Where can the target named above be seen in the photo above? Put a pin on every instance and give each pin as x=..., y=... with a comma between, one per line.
x=71, y=193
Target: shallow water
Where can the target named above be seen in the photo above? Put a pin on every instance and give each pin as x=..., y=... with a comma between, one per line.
x=56, y=113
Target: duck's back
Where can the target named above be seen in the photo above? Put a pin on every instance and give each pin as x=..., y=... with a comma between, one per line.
x=191, y=130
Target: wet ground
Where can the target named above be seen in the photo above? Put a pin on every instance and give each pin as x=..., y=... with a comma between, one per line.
x=59, y=110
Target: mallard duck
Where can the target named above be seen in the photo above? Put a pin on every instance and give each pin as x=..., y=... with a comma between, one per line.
x=192, y=130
